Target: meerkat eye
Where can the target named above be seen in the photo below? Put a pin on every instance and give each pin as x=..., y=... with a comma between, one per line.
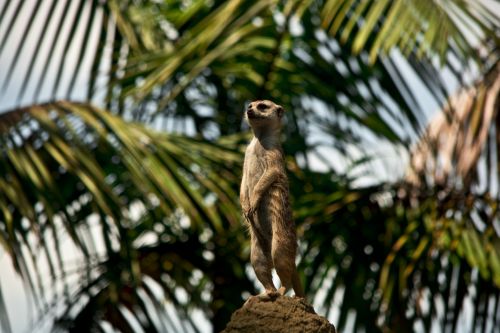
x=261, y=106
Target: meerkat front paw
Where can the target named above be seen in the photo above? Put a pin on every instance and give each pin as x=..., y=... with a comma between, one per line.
x=245, y=208
x=252, y=208
x=249, y=211
x=254, y=201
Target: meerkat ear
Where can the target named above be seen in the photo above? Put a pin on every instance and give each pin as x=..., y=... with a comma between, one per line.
x=280, y=111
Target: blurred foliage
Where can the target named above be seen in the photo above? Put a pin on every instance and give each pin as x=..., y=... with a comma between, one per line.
x=127, y=215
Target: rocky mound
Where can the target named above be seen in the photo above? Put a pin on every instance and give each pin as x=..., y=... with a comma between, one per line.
x=282, y=314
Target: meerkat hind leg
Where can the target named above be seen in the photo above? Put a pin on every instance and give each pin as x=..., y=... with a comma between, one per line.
x=260, y=258
x=282, y=290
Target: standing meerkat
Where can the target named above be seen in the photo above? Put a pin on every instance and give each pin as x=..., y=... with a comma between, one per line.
x=264, y=199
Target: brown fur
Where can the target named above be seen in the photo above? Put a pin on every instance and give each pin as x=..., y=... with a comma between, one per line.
x=264, y=199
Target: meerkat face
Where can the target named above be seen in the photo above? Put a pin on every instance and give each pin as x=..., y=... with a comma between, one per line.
x=263, y=113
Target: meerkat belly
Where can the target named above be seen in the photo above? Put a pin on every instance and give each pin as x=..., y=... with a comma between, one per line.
x=254, y=174
x=254, y=168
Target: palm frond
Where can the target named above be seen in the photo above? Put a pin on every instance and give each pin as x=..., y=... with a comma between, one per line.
x=449, y=152
x=172, y=280
x=224, y=28
x=58, y=15
x=432, y=242
x=430, y=27
x=4, y=319
x=66, y=164
x=389, y=259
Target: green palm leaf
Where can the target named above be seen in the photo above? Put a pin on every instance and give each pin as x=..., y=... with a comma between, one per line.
x=344, y=70
x=430, y=27
x=439, y=229
x=65, y=164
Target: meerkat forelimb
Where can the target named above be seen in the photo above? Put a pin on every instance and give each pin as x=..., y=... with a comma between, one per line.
x=264, y=199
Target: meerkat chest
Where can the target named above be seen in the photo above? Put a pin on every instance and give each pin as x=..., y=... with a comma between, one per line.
x=255, y=163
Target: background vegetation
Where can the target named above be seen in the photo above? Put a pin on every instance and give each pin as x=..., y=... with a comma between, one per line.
x=118, y=200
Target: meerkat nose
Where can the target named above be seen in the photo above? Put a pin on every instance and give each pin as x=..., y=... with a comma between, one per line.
x=250, y=109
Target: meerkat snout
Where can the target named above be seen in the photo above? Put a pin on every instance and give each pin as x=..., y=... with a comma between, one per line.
x=250, y=112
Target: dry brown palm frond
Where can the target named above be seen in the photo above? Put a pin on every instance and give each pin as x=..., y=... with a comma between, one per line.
x=449, y=152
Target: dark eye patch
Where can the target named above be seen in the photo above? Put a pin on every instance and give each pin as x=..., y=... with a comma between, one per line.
x=261, y=106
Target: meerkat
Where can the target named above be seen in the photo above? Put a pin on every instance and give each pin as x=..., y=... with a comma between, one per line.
x=264, y=199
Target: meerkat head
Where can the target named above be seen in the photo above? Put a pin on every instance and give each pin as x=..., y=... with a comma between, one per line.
x=264, y=115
